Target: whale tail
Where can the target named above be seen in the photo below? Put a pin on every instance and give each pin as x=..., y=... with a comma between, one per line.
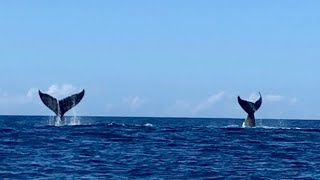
x=250, y=108
x=62, y=106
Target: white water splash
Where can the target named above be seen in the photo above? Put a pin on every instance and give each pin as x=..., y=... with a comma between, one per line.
x=232, y=126
x=148, y=125
x=243, y=125
x=51, y=121
x=115, y=124
x=285, y=128
x=74, y=121
x=55, y=121
x=58, y=122
x=65, y=121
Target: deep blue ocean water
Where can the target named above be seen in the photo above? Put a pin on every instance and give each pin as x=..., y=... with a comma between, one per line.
x=33, y=147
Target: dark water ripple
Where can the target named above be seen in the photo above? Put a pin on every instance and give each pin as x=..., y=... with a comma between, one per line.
x=158, y=148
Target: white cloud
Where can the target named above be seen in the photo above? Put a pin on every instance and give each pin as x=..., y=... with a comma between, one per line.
x=208, y=102
x=215, y=98
x=253, y=97
x=32, y=95
x=61, y=91
x=134, y=103
x=24, y=102
x=274, y=98
x=279, y=98
x=20, y=99
x=268, y=98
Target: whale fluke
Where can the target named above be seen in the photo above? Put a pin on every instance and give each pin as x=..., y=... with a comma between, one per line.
x=62, y=106
x=250, y=108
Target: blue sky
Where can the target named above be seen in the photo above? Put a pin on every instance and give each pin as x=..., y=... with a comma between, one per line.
x=162, y=58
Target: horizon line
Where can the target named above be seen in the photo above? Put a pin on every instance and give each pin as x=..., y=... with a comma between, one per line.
x=161, y=117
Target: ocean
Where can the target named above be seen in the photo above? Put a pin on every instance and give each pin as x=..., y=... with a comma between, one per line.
x=35, y=147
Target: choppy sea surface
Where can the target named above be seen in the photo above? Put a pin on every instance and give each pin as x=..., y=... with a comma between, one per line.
x=36, y=147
